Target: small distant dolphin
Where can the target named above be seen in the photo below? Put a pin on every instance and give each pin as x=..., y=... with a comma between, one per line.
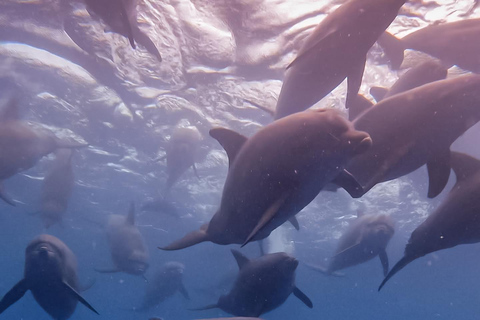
x=415, y=128
x=51, y=274
x=128, y=249
x=166, y=282
x=262, y=285
x=57, y=188
x=455, y=43
x=336, y=49
x=456, y=221
x=21, y=146
x=365, y=239
x=121, y=17
x=426, y=72
x=277, y=172
x=181, y=151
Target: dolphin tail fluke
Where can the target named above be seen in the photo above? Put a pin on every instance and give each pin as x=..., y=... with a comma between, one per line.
x=79, y=297
x=399, y=266
x=5, y=197
x=208, y=307
x=189, y=240
x=393, y=49
x=63, y=144
x=13, y=295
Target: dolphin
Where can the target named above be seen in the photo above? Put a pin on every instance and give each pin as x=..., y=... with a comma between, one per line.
x=415, y=128
x=57, y=188
x=456, y=221
x=365, y=239
x=181, y=151
x=166, y=282
x=51, y=275
x=454, y=43
x=277, y=172
x=425, y=72
x=262, y=285
x=121, y=18
x=336, y=49
x=127, y=246
x=21, y=146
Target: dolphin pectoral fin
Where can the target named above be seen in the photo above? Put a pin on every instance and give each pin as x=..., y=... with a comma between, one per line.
x=324, y=270
x=189, y=240
x=14, y=295
x=354, y=81
x=144, y=40
x=303, y=297
x=384, y=260
x=463, y=165
x=438, y=173
x=393, y=49
x=359, y=106
x=5, y=197
x=195, y=171
x=266, y=218
x=348, y=182
x=230, y=140
x=293, y=220
x=184, y=291
x=378, y=93
x=107, y=270
x=240, y=258
x=399, y=266
x=78, y=297
x=126, y=22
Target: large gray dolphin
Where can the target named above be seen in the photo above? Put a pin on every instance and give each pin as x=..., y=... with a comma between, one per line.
x=456, y=221
x=365, y=239
x=21, y=146
x=417, y=76
x=181, y=152
x=262, y=285
x=336, y=49
x=127, y=247
x=121, y=17
x=166, y=282
x=57, y=188
x=454, y=43
x=51, y=275
x=415, y=128
x=277, y=172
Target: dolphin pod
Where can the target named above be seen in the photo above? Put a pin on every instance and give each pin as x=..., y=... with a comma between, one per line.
x=415, y=128
x=276, y=184
x=454, y=43
x=51, y=275
x=456, y=221
x=21, y=147
x=335, y=50
x=262, y=285
x=121, y=17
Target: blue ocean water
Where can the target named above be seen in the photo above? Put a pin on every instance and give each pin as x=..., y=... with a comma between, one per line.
x=87, y=84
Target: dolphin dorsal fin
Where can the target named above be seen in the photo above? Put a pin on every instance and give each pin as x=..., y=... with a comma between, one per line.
x=241, y=259
x=131, y=215
x=230, y=140
x=464, y=165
